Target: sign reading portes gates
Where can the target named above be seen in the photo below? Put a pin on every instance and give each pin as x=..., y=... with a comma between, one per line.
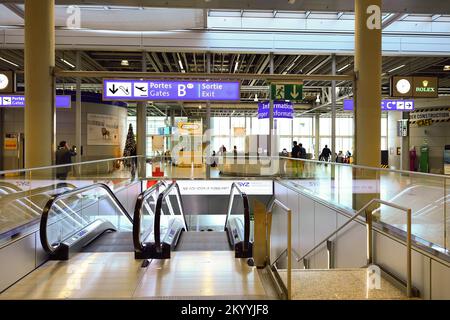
x=135, y=90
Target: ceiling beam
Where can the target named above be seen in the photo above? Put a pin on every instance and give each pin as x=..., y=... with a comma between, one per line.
x=391, y=18
x=14, y=8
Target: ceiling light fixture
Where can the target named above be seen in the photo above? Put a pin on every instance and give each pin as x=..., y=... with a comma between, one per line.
x=399, y=67
x=446, y=68
x=10, y=62
x=343, y=68
x=181, y=64
x=318, y=98
x=68, y=63
x=125, y=63
x=236, y=66
x=256, y=98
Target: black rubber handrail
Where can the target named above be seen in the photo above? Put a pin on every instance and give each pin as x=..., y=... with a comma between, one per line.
x=48, y=206
x=159, y=203
x=246, y=213
x=137, y=218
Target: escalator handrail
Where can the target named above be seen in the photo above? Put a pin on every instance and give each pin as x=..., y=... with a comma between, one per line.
x=137, y=218
x=48, y=206
x=159, y=203
x=36, y=191
x=246, y=212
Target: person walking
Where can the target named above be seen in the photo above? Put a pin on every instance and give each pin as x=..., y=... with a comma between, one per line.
x=326, y=153
x=64, y=156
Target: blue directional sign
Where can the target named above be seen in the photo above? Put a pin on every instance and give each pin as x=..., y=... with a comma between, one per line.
x=18, y=101
x=135, y=90
x=281, y=109
x=386, y=105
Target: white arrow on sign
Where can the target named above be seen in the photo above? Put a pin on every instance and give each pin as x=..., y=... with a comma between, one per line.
x=294, y=92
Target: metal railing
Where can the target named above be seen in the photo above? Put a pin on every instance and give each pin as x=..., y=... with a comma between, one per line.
x=245, y=203
x=272, y=204
x=50, y=249
x=159, y=203
x=137, y=218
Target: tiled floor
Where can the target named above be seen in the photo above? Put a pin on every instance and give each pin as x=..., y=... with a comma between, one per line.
x=207, y=274
x=338, y=284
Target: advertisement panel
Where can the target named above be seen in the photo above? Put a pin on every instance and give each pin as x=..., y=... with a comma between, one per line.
x=223, y=187
x=102, y=130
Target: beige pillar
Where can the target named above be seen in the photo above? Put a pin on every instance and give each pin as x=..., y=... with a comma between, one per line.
x=39, y=84
x=141, y=130
x=367, y=98
x=368, y=83
x=317, y=146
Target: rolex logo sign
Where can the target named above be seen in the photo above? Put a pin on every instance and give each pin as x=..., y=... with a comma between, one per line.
x=425, y=87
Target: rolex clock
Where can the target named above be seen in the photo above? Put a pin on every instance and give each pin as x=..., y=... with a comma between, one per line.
x=401, y=86
x=6, y=81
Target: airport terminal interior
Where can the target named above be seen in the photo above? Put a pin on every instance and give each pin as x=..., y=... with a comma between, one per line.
x=237, y=150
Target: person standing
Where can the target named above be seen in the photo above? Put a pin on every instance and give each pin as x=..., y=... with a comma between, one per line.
x=295, y=150
x=64, y=156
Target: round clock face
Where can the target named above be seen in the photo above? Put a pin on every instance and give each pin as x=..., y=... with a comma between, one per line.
x=4, y=81
x=403, y=86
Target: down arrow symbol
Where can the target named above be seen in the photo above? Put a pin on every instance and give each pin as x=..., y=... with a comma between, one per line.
x=113, y=89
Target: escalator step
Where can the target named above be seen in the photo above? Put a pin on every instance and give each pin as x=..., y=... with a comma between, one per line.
x=111, y=242
x=203, y=241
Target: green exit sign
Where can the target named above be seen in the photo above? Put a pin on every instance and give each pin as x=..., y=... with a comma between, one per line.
x=287, y=91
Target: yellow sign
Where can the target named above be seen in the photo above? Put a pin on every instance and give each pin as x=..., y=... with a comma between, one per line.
x=10, y=143
x=239, y=132
x=190, y=128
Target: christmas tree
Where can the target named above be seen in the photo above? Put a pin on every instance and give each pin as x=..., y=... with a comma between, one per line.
x=130, y=146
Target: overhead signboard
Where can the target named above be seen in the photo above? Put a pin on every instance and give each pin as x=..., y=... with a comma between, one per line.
x=18, y=101
x=152, y=90
x=287, y=91
x=418, y=87
x=425, y=87
x=7, y=83
x=386, y=105
x=281, y=109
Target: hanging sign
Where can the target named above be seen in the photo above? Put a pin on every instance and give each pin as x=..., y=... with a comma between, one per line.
x=386, y=105
x=135, y=90
x=18, y=101
x=281, y=109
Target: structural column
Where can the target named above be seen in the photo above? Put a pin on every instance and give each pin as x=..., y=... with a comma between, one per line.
x=333, y=107
x=317, y=146
x=272, y=133
x=39, y=82
x=141, y=130
x=368, y=82
x=78, y=112
x=208, y=123
x=367, y=100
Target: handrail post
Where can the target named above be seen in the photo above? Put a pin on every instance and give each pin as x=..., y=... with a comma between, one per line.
x=369, y=224
x=408, y=256
x=289, y=255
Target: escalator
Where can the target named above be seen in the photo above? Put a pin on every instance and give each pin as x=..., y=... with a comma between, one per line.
x=156, y=234
x=87, y=219
x=21, y=209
